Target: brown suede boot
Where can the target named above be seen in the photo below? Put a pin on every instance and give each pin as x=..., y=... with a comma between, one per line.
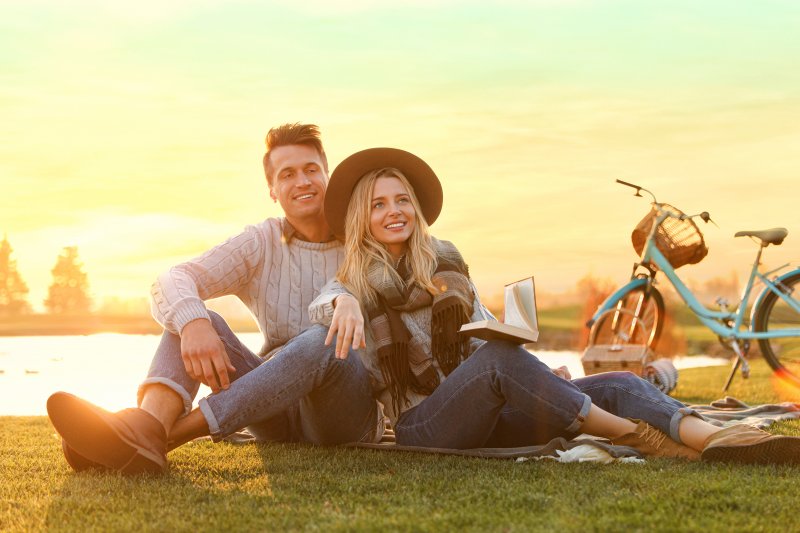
x=743, y=443
x=78, y=462
x=131, y=441
x=652, y=442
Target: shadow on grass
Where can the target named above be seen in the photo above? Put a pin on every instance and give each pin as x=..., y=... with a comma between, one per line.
x=293, y=486
x=194, y=495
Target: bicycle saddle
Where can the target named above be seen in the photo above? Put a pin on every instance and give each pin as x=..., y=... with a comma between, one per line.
x=768, y=236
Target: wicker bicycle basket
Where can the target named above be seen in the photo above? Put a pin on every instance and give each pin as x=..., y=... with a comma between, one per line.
x=679, y=240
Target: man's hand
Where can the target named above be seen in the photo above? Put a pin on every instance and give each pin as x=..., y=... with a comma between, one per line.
x=347, y=324
x=562, y=372
x=204, y=355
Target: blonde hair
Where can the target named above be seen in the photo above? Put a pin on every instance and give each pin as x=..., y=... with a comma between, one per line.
x=362, y=250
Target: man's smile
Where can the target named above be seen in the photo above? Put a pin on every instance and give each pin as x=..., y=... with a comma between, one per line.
x=305, y=196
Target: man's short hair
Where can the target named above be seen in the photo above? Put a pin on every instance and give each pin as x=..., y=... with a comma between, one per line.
x=288, y=134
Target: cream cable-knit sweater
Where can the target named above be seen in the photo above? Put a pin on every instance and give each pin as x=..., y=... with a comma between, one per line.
x=276, y=280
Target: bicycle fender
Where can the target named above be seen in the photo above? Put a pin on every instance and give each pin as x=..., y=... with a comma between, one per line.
x=765, y=291
x=612, y=300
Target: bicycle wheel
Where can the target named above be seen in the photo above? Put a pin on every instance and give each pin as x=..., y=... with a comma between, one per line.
x=773, y=314
x=636, y=319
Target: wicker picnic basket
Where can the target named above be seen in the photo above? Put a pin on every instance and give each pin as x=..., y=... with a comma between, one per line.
x=614, y=353
x=616, y=357
x=679, y=240
x=610, y=350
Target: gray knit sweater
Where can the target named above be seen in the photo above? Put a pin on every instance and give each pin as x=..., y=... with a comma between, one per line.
x=276, y=278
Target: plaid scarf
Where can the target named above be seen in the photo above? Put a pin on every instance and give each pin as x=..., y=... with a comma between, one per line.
x=451, y=308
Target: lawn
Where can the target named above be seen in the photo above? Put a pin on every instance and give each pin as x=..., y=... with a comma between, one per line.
x=294, y=487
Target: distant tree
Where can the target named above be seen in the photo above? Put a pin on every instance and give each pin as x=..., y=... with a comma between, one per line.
x=13, y=290
x=69, y=292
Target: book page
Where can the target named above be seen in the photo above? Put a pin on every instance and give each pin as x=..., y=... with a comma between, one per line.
x=520, y=305
x=520, y=324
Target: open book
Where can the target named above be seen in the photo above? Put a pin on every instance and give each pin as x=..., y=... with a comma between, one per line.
x=520, y=324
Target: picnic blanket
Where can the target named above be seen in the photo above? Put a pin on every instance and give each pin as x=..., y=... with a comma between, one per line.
x=584, y=448
x=729, y=411
x=559, y=449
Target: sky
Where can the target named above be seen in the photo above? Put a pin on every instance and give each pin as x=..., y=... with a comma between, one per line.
x=135, y=130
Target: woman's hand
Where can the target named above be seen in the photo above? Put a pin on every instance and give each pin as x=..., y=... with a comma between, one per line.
x=562, y=372
x=347, y=324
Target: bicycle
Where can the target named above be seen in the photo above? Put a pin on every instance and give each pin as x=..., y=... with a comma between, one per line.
x=666, y=239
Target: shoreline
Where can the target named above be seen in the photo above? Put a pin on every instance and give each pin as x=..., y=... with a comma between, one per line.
x=48, y=326
x=556, y=333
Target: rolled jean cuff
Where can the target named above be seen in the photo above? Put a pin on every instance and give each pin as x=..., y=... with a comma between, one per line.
x=179, y=390
x=581, y=417
x=675, y=421
x=213, y=426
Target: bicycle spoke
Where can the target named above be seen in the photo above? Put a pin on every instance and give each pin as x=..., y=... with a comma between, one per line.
x=632, y=321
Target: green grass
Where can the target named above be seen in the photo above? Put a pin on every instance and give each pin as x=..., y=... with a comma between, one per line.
x=294, y=487
x=567, y=317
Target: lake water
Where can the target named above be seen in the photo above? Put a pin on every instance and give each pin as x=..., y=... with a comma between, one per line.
x=107, y=368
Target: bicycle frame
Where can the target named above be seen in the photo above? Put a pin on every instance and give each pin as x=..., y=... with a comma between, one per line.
x=725, y=324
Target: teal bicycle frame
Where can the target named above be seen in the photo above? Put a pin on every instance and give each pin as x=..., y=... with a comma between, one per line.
x=714, y=320
x=728, y=325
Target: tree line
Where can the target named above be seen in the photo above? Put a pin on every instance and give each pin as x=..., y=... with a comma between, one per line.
x=68, y=293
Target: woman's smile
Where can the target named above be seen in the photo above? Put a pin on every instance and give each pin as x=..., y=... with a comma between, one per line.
x=397, y=226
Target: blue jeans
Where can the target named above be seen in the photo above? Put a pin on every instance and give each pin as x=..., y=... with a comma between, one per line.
x=503, y=396
x=303, y=393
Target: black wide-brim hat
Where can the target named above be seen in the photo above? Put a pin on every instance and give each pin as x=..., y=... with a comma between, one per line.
x=427, y=187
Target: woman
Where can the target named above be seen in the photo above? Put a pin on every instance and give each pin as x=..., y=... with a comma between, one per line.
x=444, y=390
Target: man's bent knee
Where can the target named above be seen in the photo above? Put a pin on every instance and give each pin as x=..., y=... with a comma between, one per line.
x=219, y=323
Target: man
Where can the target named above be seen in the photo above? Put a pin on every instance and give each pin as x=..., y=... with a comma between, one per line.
x=304, y=391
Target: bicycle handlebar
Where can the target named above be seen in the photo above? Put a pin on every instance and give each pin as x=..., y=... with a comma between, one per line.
x=629, y=185
x=704, y=216
x=638, y=188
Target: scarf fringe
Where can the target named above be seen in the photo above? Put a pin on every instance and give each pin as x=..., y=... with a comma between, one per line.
x=448, y=347
x=393, y=362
